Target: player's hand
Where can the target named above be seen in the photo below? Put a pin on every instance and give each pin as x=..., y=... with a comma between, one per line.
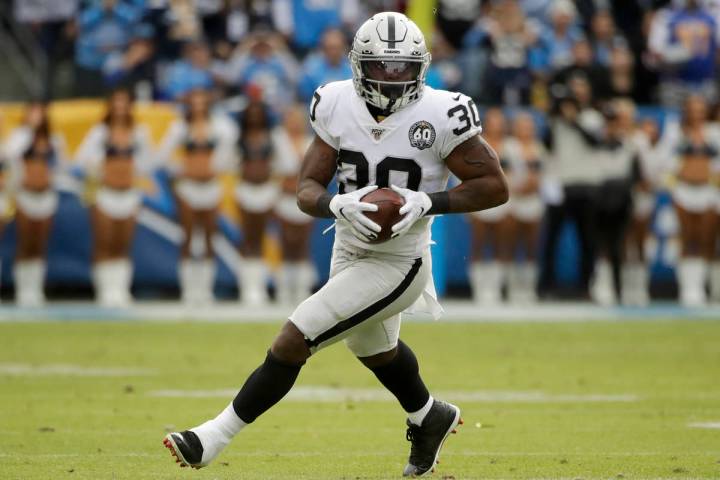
x=417, y=204
x=349, y=207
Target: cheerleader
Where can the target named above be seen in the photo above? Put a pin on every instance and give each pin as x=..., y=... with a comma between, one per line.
x=649, y=171
x=527, y=207
x=35, y=155
x=492, y=227
x=696, y=146
x=114, y=153
x=297, y=275
x=196, y=148
x=256, y=195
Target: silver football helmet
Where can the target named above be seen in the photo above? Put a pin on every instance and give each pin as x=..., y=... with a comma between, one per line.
x=389, y=61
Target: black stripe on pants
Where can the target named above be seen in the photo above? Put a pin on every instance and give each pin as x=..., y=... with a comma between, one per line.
x=368, y=312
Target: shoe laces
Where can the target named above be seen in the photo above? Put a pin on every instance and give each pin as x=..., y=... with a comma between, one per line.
x=412, y=432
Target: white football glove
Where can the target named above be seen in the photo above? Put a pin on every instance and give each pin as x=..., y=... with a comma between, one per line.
x=349, y=207
x=417, y=204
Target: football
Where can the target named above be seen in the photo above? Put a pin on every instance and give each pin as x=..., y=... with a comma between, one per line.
x=388, y=213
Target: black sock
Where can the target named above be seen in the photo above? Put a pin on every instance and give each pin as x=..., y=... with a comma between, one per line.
x=264, y=388
x=402, y=377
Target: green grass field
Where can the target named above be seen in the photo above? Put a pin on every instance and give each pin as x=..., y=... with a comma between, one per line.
x=547, y=400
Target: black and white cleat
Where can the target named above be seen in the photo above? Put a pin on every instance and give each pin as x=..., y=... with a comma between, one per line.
x=186, y=448
x=428, y=438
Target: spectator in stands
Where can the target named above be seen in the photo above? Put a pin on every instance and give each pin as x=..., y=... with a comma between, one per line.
x=509, y=37
x=114, y=153
x=103, y=28
x=584, y=66
x=191, y=72
x=49, y=20
x=256, y=195
x=263, y=61
x=297, y=275
x=247, y=16
x=538, y=9
x=493, y=228
x=613, y=207
x=134, y=67
x=574, y=133
x=527, y=207
x=554, y=50
x=183, y=21
x=213, y=18
x=696, y=145
x=304, y=21
x=36, y=154
x=445, y=71
x=328, y=64
x=604, y=37
x=621, y=77
x=198, y=146
x=684, y=41
x=455, y=19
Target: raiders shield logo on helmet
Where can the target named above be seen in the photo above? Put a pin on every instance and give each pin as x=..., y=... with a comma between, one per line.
x=422, y=135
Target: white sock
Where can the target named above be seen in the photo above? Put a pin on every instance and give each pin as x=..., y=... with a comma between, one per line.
x=252, y=281
x=29, y=281
x=286, y=284
x=486, y=279
x=218, y=432
x=416, y=418
x=186, y=275
x=121, y=281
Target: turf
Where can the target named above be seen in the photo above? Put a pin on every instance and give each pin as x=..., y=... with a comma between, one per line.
x=59, y=426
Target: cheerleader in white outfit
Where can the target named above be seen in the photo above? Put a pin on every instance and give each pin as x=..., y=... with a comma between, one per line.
x=492, y=227
x=35, y=155
x=196, y=148
x=256, y=195
x=696, y=145
x=527, y=207
x=653, y=159
x=297, y=275
x=115, y=153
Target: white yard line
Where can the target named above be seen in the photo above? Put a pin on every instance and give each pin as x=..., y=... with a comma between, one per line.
x=455, y=311
x=330, y=394
x=708, y=425
x=383, y=453
x=27, y=370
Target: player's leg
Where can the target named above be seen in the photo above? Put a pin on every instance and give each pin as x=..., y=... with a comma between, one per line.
x=361, y=289
x=266, y=386
x=430, y=421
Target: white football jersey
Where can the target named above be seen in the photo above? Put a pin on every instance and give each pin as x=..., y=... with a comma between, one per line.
x=406, y=149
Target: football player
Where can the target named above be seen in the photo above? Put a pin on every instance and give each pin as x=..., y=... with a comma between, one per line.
x=383, y=128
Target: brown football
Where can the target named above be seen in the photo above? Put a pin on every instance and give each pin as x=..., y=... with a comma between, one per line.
x=388, y=213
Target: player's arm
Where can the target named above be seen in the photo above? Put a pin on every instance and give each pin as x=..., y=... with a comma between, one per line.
x=317, y=171
x=483, y=183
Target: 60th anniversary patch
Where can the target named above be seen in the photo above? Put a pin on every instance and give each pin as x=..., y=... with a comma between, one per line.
x=422, y=135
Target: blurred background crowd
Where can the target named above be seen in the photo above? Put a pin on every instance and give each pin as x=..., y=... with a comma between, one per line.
x=180, y=175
